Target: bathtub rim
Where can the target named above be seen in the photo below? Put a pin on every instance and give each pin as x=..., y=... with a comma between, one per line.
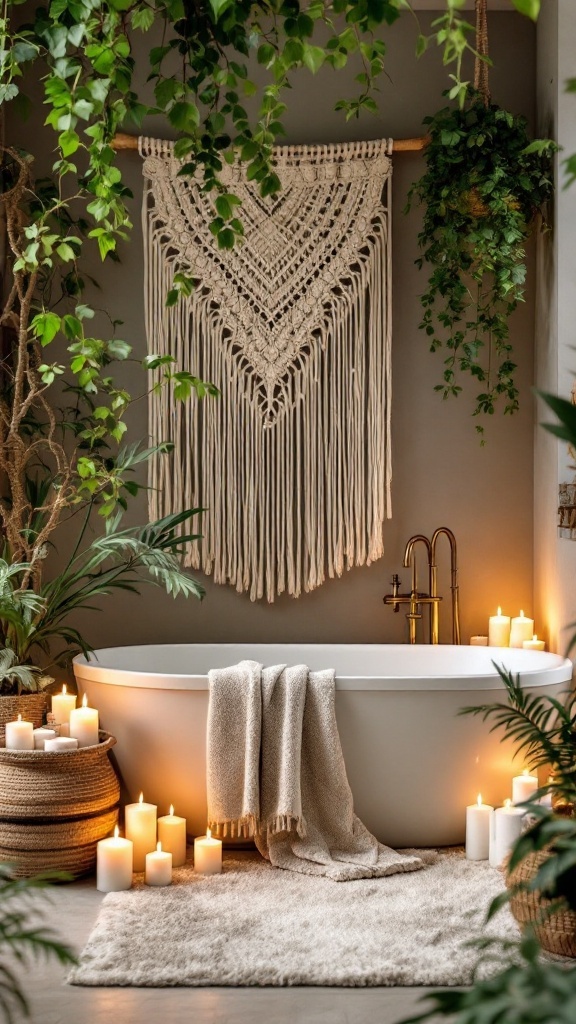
x=561, y=672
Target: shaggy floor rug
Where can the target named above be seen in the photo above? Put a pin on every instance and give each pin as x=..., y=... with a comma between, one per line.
x=258, y=925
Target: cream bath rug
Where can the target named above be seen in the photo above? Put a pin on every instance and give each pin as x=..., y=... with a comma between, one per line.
x=258, y=925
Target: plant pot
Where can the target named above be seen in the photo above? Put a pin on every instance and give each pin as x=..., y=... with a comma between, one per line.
x=32, y=707
x=557, y=933
x=56, y=806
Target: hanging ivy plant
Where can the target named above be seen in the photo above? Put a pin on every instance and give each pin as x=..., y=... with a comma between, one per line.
x=484, y=187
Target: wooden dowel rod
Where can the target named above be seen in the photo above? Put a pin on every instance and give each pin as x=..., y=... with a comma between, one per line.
x=122, y=141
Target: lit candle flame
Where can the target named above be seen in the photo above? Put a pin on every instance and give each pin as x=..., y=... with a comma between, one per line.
x=534, y=637
x=116, y=832
x=19, y=717
x=499, y=610
x=171, y=808
x=479, y=799
x=141, y=798
x=525, y=772
x=85, y=701
x=507, y=803
x=521, y=613
x=64, y=690
x=208, y=833
x=158, y=847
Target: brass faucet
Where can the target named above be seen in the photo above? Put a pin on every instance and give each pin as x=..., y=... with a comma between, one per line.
x=416, y=598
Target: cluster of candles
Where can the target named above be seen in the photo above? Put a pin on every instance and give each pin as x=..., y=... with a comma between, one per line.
x=152, y=845
x=506, y=632
x=492, y=831
x=68, y=728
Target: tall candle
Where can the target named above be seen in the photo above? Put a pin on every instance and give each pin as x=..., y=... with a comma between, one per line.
x=84, y=724
x=523, y=786
x=499, y=630
x=207, y=855
x=114, y=864
x=62, y=704
x=172, y=835
x=141, y=829
x=19, y=735
x=522, y=629
x=505, y=828
x=40, y=737
x=534, y=644
x=158, y=867
x=478, y=830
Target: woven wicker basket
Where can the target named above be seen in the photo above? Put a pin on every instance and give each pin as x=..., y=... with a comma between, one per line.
x=557, y=933
x=32, y=707
x=56, y=806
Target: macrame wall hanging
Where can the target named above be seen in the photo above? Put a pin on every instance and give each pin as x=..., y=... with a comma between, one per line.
x=292, y=462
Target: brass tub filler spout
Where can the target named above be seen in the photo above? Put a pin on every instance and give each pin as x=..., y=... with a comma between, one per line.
x=416, y=598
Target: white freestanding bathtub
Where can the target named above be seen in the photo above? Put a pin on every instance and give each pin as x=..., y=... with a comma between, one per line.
x=412, y=762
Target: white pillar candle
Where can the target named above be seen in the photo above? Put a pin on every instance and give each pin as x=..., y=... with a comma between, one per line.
x=534, y=644
x=478, y=641
x=505, y=828
x=522, y=629
x=41, y=735
x=523, y=786
x=19, y=735
x=141, y=829
x=499, y=630
x=478, y=830
x=172, y=835
x=114, y=864
x=60, y=743
x=207, y=855
x=84, y=724
x=62, y=704
x=158, y=867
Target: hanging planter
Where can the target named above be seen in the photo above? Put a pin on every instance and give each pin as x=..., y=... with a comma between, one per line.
x=485, y=186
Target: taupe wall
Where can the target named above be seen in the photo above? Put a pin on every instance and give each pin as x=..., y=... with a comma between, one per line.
x=441, y=475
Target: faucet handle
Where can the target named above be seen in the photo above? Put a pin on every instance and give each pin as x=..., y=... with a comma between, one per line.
x=396, y=581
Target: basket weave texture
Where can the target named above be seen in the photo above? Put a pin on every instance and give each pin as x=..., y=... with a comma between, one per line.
x=557, y=933
x=55, y=806
x=32, y=707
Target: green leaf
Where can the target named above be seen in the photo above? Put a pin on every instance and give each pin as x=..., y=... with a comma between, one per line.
x=531, y=8
x=143, y=18
x=184, y=116
x=218, y=7
x=69, y=142
x=313, y=57
x=45, y=327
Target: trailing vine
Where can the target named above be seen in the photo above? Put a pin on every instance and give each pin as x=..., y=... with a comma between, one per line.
x=484, y=187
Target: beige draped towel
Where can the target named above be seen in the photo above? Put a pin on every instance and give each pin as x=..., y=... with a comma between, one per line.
x=293, y=462
x=275, y=771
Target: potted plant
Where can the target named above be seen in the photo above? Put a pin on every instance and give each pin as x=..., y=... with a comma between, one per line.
x=485, y=186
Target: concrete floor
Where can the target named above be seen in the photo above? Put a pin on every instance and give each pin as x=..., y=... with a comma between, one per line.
x=73, y=911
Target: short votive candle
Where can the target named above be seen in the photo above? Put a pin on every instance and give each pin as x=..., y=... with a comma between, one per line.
x=62, y=704
x=534, y=644
x=158, y=867
x=114, y=864
x=172, y=835
x=499, y=630
x=41, y=735
x=207, y=855
x=19, y=735
x=523, y=787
